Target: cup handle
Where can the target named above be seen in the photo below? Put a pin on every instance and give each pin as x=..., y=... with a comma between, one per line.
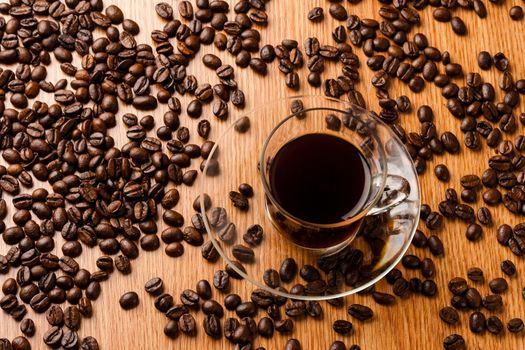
x=396, y=190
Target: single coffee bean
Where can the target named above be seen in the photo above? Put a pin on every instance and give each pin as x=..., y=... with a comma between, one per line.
x=473, y=298
x=288, y=270
x=475, y=274
x=221, y=280
x=171, y=329
x=292, y=344
x=442, y=173
x=492, y=302
x=484, y=216
x=454, y=342
x=383, y=298
x=53, y=336
x=516, y=13
x=515, y=325
x=27, y=327
x=458, y=285
x=474, y=232
x=411, y=261
x=231, y=301
x=243, y=253
x=342, y=326
x=435, y=245
x=508, y=267
x=338, y=12
x=477, y=322
x=449, y=315
x=129, y=300
x=498, y=285
x=316, y=14
x=187, y=325
x=494, y=325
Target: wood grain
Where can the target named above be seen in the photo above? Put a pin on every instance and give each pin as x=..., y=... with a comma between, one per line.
x=411, y=324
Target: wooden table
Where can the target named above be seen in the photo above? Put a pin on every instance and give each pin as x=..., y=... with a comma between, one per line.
x=412, y=323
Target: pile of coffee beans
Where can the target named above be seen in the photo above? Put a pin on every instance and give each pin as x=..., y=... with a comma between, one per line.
x=104, y=196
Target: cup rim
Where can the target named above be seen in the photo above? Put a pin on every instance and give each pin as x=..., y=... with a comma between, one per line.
x=263, y=166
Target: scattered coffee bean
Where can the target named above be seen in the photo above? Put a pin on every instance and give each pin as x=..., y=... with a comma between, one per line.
x=515, y=325
x=498, y=285
x=449, y=315
x=129, y=300
x=454, y=342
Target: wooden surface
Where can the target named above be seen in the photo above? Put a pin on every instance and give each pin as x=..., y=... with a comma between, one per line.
x=412, y=323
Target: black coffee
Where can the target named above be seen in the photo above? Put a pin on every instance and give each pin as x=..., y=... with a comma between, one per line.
x=320, y=178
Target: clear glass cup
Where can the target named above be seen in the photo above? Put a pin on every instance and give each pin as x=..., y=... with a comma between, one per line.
x=370, y=137
x=387, y=220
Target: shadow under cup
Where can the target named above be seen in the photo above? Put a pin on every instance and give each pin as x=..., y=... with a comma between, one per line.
x=355, y=127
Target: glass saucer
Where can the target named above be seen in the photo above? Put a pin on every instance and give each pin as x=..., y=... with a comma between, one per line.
x=378, y=246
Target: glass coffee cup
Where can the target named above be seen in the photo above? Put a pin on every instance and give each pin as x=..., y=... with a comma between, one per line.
x=349, y=147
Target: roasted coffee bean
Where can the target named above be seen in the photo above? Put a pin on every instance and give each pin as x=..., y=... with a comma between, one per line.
x=473, y=298
x=187, y=325
x=442, y=173
x=383, y=298
x=508, y=267
x=20, y=343
x=494, y=325
x=171, y=329
x=442, y=14
x=154, y=286
x=449, y=315
x=265, y=327
x=475, y=274
x=393, y=276
x=419, y=240
x=164, y=302
x=27, y=327
x=316, y=14
x=434, y=221
x=458, y=285
x=239, y=200
x=454, y=342
x=246, y=309
x=477, y=322
x=361, y=312
x=428, y=288
x=338, y=12
x=337, y=345
x=411, y=262
x=515, y=325
x=164, y=10
x=221, y=280
x=176, y=311
x=189, y=298
x=342, y=326
x=492, y=302
x=129, y=300
x=203, y=289
x=254, y=235
x=498, y=285
x=484, y=60
x=435, y=245
x=209, y=252
x=9, y=286
x=474, y=232
x=231, y=301
x=53, y=336
x=516, y=13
